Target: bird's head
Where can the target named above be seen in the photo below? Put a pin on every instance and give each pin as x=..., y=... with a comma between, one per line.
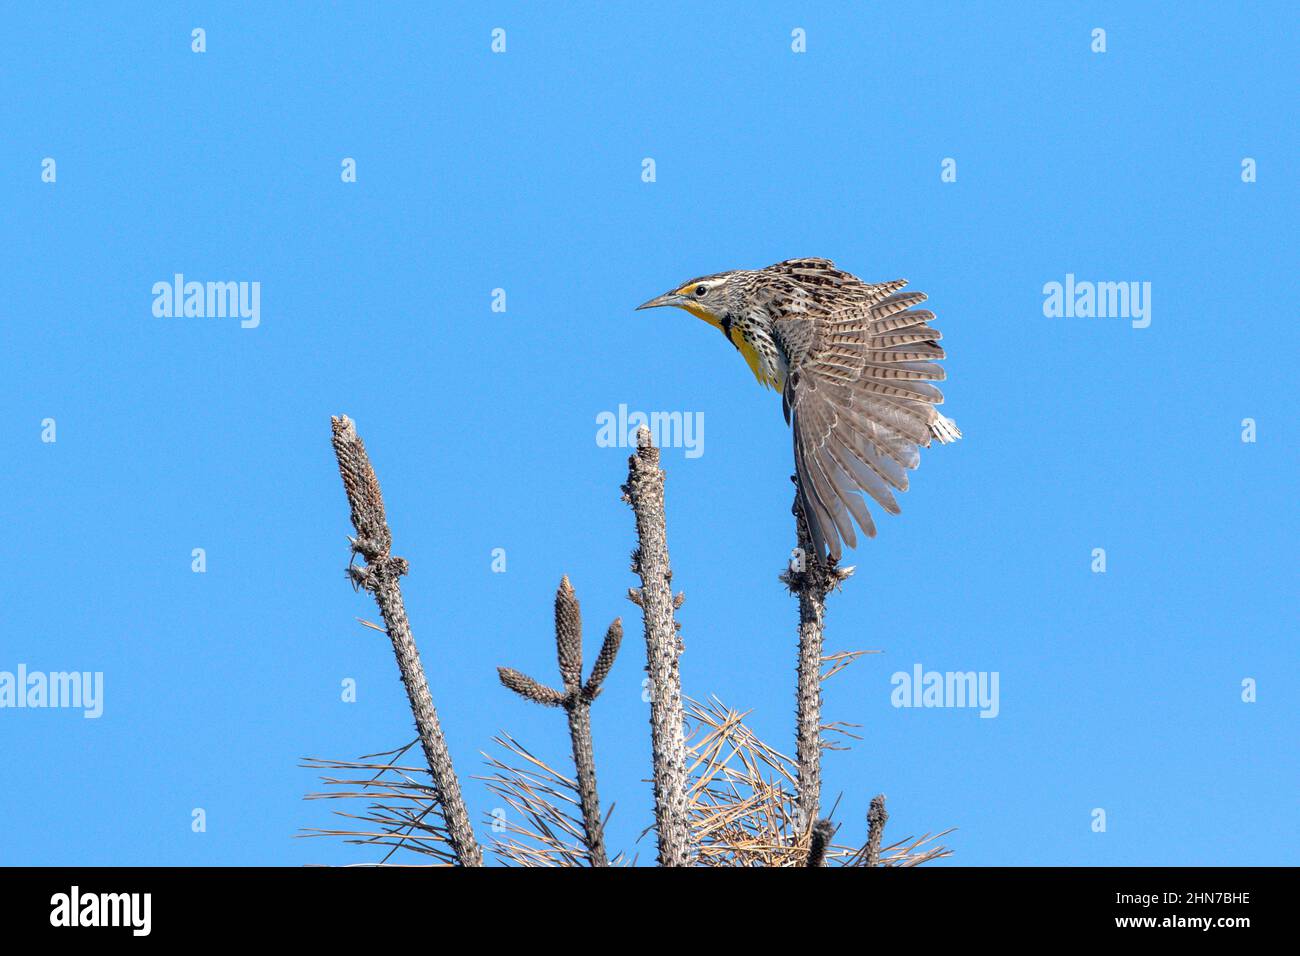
x=708, y=297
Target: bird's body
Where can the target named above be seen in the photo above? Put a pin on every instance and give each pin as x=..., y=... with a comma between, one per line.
x=853, y=362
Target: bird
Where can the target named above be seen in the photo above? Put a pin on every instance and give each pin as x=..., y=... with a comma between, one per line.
x=854, y=363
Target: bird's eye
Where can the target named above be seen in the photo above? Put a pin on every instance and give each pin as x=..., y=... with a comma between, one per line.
x=700, y=290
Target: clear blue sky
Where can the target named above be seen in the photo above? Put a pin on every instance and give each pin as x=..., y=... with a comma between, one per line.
x=522, y=171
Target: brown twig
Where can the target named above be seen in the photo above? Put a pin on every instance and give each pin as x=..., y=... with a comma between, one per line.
x=576, y=699
x=407, y=816
x=744, y=809
x=380, y=576
x=644, y=491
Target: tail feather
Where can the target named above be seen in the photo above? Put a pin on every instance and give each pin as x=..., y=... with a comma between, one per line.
x=944, y=429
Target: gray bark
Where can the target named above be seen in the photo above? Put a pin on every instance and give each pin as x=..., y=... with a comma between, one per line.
x=810, y=580
x=585, y=762
x=380, y=577
x=644, y=491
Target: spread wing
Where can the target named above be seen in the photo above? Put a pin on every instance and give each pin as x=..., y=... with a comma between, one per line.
x=860, y=401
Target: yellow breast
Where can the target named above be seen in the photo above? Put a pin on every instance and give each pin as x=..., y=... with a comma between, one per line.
x=754, y=361
x=752, y=358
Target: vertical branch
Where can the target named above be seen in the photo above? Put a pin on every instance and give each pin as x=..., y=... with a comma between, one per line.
x=580, y=733
x=568, y=648
x=380, y=576
x=810, y=579
x=584, y=761
x=576, y=700
x=877, y=815
x=644, y=491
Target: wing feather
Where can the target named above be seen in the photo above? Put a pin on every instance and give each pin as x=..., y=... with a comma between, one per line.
x=860, y=401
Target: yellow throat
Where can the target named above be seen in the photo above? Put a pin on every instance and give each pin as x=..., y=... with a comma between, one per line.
x=742, y=343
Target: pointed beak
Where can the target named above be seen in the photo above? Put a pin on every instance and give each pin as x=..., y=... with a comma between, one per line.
x=668, y=298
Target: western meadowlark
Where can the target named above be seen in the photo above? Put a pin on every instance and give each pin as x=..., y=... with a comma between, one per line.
x=853, y=362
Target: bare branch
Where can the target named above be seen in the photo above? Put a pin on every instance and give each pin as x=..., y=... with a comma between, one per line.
x=380, y=576
x=810, y=579
x=584, y=761
x=576, y=700
x=529, y=689
x=604, y=660
x=644, y=491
